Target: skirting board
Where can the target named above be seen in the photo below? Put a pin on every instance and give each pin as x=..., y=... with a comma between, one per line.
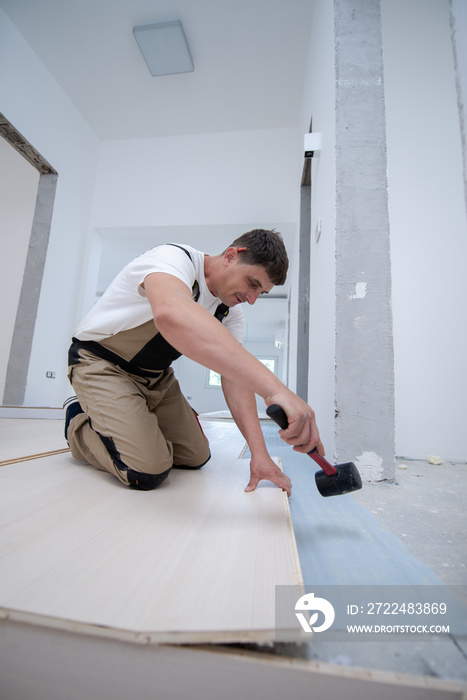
x=195, y=561
x=41, y=664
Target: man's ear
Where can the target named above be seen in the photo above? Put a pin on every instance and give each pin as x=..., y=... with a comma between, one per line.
x=230, y=255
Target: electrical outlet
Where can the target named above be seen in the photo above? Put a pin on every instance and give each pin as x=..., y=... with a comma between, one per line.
x=50, y=375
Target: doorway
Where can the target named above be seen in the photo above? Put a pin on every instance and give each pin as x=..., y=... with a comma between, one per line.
x=20, y=308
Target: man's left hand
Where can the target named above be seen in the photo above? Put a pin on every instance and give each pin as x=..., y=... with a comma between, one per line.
x=266, y=469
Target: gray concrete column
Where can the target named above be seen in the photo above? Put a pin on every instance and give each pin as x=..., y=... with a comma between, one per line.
x=364, y=332
x=303, y=321
x=23, y=333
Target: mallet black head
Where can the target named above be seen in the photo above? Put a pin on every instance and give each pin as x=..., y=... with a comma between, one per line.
x=346, y=480
x=330, y=480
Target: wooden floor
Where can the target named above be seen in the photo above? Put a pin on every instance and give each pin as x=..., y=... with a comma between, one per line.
x=95, y=578
x=197, y=560
x=20, y=438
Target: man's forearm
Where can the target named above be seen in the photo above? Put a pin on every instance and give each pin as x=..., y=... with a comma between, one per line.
x=242, y=404
x=194, y=332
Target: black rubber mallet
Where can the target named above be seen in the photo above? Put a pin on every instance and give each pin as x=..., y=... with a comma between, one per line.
x=331, y=481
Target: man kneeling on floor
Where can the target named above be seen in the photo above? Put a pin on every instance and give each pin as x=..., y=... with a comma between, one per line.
x=129, y=416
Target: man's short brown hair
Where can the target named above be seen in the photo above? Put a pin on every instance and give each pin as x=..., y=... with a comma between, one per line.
x=265, y=248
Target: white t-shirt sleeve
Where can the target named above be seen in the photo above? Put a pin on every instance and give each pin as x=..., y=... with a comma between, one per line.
x=124, y=305
x=174, y=261
x=165, y=258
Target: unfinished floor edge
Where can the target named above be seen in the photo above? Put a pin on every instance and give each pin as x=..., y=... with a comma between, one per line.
x=293, y=540
x=345, y=672
x=183, y=672
x=173, y=638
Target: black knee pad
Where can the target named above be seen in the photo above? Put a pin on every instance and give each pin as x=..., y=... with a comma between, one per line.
x=198, y=466
x=145, y=482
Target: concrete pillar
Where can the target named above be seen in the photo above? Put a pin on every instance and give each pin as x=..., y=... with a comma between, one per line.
x=21, y=344
x=364, y=332
x=303, y=321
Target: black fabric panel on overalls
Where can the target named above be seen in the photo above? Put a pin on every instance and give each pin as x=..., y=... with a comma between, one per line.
x=105, y=354
x=156, y=352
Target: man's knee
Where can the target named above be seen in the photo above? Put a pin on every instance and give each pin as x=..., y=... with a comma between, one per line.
x=192, y=466
x=145, y=482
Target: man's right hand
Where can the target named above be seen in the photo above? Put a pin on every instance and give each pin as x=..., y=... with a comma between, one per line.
x=302, y=431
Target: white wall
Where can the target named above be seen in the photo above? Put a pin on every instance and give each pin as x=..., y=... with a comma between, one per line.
x=428, y=229
x=202, y=190
x=110, y=249
x=18, y=191
x=37, y=107
x=225, y=178
x=205, y=399
x=318, y=105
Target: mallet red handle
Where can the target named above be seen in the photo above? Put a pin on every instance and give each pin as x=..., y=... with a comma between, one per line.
x=279, y=416
x=326, y=466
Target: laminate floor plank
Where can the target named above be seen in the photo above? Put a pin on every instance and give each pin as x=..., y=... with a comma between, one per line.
x=197, y=560
x=22, y=437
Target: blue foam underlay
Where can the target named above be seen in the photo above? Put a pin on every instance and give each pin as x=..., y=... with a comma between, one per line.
x=339, y=541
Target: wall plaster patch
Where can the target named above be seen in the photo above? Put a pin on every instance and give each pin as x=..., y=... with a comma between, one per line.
x=360, y=291
x=370, y=466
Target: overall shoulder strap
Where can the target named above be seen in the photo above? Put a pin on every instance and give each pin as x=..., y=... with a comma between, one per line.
x=187, y=252
x=195, y=288
x=222, y=310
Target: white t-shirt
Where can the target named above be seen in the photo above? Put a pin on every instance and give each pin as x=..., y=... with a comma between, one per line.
x=124, y=304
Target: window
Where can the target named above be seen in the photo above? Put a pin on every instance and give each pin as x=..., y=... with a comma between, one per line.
x=269, y=362
x=214, y=379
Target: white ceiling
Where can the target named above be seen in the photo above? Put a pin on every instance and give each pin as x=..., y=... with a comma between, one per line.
x=249, y=58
